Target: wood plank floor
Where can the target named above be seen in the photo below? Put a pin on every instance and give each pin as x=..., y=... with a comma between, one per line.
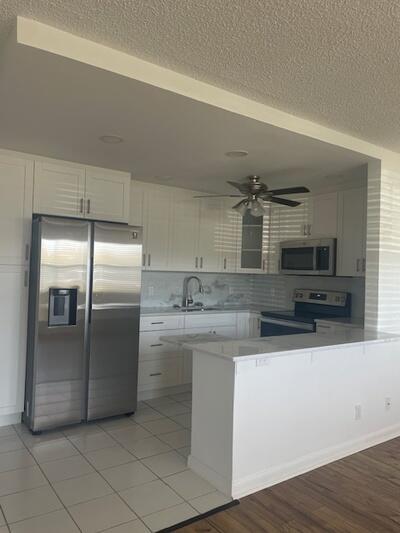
x=357, y=494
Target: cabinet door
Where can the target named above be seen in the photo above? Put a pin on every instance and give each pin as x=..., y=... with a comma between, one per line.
x=255, y=325
x=229, y=236
x=322, y=215
x=352, y=233
x=136, y=204
x=210, y=238
x=156, y=227
x=16, y=185
x=184, y=232
x=58, y=189
x=107, y=195
x=251, y=246
x=13, y=324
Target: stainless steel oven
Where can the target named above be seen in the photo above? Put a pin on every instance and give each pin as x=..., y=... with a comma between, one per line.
x=309, y=257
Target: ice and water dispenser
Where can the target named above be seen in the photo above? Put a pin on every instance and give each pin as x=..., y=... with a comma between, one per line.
x=62, y=307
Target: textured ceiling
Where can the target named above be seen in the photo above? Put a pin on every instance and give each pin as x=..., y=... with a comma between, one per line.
x=336, y=62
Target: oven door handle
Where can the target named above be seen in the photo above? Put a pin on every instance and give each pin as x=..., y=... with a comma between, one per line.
x=288, y=323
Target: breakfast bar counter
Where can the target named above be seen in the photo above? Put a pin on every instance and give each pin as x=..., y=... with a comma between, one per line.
x=268, y=409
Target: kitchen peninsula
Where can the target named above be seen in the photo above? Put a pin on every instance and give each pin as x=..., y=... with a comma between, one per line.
x=268, y=409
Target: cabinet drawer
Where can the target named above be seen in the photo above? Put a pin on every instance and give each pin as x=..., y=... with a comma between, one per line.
x=157, y=323
x=150, y=346
x=212, y=320
x=160, y=373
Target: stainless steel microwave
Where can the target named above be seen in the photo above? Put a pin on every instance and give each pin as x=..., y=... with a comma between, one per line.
x=309, y=257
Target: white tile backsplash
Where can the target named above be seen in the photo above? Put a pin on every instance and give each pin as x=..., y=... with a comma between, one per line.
x=164, y=289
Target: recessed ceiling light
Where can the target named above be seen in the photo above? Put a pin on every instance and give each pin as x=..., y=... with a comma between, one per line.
x=237, y=153
x=111, y=139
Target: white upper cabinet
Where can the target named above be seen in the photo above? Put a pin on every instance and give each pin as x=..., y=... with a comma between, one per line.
x=352, y=232
x=210, y=241
x=58, y=189
x=136, y=208
x=184, y=232
x=157, y=210
x=230, y=226
x=107, y=195
x=76, y=191
x=321, y=215
x=252, y=239
x=16, y=185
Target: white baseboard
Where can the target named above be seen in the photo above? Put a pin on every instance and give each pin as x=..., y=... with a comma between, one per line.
x=219, y=482
x=7, y=420
x=268, y=477
x=166, y=391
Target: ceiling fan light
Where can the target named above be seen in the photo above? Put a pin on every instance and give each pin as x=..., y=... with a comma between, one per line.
x=256, y=209
x=241, y=208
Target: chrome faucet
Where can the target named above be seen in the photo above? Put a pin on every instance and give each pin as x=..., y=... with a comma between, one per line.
x=187, y=298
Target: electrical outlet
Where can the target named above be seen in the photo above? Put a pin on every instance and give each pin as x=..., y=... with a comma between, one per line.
x=357, y=412
x=151, y=290
x=388, y=403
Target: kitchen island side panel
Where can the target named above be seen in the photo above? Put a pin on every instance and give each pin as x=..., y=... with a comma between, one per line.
x=297, y=412
x=212, y=420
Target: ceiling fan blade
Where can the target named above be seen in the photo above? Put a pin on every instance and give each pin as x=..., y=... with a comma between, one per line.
x=283, y=201
x=290, y=190
x=219, y=196
x=239, y=203
x=242, y=187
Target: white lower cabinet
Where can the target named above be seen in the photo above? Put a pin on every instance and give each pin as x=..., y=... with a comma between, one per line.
x=13, y=325
x=163, y=365
x=160, y=373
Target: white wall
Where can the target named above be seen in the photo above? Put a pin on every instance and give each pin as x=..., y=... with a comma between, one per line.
x=291, y=413
x=308, y=411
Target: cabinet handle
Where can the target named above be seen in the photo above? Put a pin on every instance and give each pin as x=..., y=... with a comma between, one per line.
x=263, y=264
x=144, y=260
x=153, y=323
x=224, y=263
x=358, y=265
x=364, y=264
x=154, y=345
x=26, y=278
x=201, y=262
x=156, y=374
x=309, y=229
x=88, y=206
x=26, y=252
x=81, y=205
x=304, y=229
x=196, y=262
x=149, y=260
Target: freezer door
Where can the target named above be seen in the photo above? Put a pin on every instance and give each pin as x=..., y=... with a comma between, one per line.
x=55, y=391
x=114, y=320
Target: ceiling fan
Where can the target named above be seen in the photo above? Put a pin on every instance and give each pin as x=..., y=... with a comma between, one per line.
x=255, y=193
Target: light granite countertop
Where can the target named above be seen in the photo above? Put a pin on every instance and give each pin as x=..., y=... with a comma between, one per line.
x=284, y=345
x=158, y=311
x=351, y=322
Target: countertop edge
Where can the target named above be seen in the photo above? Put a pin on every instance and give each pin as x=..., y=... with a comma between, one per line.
x=291, y=351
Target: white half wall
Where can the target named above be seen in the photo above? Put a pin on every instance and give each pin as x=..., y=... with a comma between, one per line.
x=291, y=413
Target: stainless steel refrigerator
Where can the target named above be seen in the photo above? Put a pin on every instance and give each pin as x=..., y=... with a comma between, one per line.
x=83, y=326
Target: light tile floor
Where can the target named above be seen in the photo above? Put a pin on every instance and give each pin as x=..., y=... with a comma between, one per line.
x=122, y=475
